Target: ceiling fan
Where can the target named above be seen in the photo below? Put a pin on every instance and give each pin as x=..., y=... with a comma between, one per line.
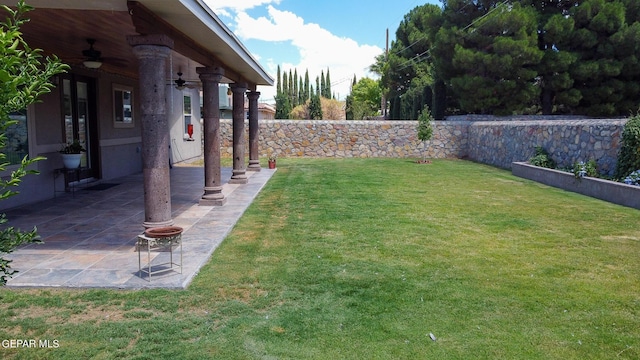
x=182, y=84
x=92, y=58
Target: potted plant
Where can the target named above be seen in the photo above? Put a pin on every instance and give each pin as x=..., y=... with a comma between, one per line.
x=72, y=154
x=272, y=161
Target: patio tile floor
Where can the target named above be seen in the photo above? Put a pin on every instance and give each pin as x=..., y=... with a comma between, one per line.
x=90, y=236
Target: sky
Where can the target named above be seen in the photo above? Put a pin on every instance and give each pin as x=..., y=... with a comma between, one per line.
x=343, y=36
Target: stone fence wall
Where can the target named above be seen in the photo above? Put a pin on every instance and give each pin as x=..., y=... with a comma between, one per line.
x=567, y=141
x=340, y=138
x=497, y=143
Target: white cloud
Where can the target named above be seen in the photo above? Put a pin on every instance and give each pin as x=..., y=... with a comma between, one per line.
x=318, y=48
x=221, y=7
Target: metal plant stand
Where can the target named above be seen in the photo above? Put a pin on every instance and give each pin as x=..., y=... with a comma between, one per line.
x=159, y=239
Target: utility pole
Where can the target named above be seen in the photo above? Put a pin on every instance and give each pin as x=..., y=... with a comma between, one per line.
x=384, y=96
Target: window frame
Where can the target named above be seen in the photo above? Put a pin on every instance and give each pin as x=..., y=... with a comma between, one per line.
x=118, y=100
x=187, y=115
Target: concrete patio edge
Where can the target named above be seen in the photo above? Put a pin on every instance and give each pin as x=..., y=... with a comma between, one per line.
x=113, y=263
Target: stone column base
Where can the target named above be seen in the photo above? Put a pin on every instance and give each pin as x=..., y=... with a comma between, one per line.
x=238, y=177
x=151, y=224
x=212, y=202
x=239, y=181
x=254, y=165
x=213, y=196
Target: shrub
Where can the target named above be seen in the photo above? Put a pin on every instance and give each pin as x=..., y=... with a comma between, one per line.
x=24, y=76
x=633, y=178
x=541, y=158
x=629, y=156
x=582, y=169
x=425, y=131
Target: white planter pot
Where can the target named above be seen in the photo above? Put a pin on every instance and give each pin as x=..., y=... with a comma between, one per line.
x=71, y=161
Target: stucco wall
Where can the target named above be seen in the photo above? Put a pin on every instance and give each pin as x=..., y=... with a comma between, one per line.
x=183, y=148
x=496, y=142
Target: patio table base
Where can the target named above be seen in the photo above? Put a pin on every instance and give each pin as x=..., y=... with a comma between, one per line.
x=159, y=243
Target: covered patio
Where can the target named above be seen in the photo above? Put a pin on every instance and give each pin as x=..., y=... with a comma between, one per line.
x=143, y=85
x=90, y=234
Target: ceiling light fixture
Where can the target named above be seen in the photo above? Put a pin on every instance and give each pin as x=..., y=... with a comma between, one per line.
x=92, y=55
x=180, y=83
x=92, y=64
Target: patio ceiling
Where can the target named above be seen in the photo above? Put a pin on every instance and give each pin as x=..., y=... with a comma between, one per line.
x=62, y=27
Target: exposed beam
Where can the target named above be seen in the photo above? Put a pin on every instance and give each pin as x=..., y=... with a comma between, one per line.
x=146, y=23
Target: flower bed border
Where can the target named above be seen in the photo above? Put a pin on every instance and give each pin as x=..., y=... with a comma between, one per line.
x=611, y=191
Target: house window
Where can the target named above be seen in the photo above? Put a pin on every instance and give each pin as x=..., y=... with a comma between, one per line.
x=186, y=113
x=16, y=138
x=122, y=106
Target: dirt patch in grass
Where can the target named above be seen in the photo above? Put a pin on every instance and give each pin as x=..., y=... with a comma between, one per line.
x=244, y=294
x=54, y=316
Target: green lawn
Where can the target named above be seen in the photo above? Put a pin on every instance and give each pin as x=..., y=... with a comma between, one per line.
x=364, y=259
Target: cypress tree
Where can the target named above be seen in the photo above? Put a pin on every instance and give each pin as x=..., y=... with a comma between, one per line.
x=301, y=98
x=290, y=89
x=285, y=84
x=283, y=104
x=306, y=86
x=295, y=94
x=323, y=84
x=315, y=108
x=278, y=83
x=349, y=107
x=327, y=82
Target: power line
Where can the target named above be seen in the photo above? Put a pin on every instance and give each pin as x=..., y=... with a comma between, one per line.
x=485, y=15
x=427, y=52
x=406, y=47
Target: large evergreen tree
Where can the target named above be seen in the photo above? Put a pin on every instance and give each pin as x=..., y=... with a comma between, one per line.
x=408, y=67
x=605, y=46
x=494, y=62
x=555, y=26
x=503, y=57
